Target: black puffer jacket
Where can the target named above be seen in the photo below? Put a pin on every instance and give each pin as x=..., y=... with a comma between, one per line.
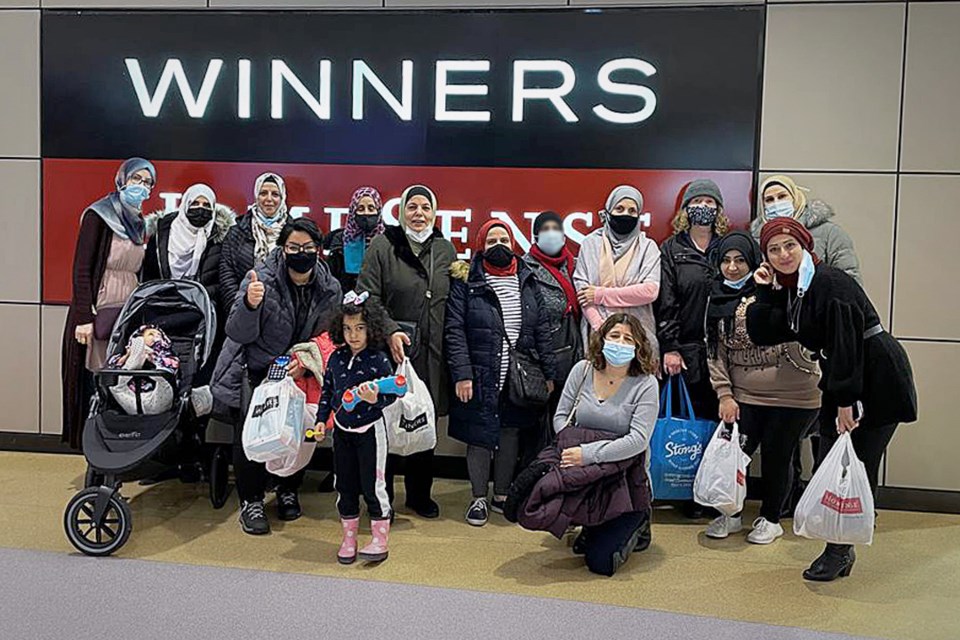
x=473, y=338
x=236, y=256
x=256, y=336
x=156, y=261
x=681, y=310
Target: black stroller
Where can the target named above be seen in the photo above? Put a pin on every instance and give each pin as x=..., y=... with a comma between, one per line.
x=121, y=447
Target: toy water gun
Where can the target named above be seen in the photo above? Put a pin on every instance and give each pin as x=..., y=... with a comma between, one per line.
x=396, y=385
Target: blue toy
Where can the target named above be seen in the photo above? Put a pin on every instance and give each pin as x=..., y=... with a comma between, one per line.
x=396, y=385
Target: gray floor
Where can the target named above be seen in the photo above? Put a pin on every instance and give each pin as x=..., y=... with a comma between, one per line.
x=48, y=596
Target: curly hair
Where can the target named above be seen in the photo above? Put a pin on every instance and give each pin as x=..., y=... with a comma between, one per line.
x=373, y=315
x=681, y=222
x=643, y=360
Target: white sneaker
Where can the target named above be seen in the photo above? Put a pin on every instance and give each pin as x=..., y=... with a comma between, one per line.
x=724, y=526
x=764, y=532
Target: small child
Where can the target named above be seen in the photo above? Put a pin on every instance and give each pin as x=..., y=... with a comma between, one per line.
x=359, y=436
x=148, y=348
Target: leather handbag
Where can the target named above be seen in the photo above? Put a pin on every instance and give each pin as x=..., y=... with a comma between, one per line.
x=526, y=383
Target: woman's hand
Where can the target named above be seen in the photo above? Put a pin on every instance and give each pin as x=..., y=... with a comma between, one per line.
x=764, y=275
x=551, y=385
x=729, y=410
x=465, y=391
x=255, y=291
x=572, y=457
x=295, y=369
x=397, y=340
x=84, y=333
x=368, y=392
x=845, y=421
x=587, y=295
x=673, y=363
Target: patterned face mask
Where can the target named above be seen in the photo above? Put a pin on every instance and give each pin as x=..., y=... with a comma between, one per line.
x=702, y=215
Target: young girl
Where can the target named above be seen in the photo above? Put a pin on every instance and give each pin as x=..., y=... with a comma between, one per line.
x=360, y=435
x=148, y=348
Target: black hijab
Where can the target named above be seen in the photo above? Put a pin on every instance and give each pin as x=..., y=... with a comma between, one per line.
x=724, y=300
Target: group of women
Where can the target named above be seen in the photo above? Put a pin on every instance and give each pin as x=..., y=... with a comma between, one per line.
x=769, y=335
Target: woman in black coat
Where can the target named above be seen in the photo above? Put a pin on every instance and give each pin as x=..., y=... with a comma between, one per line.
x=187, y=244
x=348, y=246
x=287, y=300
x=498, y=302
x=867, y=380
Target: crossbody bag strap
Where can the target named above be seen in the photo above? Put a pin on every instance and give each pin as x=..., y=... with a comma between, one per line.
x=576, y=403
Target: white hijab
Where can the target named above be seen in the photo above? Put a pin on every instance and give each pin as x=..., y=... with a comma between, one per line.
x=267, y=230
x=187, y=242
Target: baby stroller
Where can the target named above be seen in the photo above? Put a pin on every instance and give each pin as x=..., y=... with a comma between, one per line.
x=121, y=447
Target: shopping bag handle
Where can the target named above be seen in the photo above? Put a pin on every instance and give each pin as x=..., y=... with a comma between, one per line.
x=666, y=399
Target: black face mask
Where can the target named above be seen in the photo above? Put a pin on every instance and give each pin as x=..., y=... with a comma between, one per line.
x=199, y=216
x=367, y=223
x=301, y=262
x=499, y=255
x=623, y=225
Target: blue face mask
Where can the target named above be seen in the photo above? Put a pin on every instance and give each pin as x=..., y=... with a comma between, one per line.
x=551, y=242
x=618, y=354
x=805, y=275
x=269, y=222
x=782, y=209
x=738, y=284
x=133, y=195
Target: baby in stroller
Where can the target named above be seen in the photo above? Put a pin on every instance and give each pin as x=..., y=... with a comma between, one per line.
x=148, y=348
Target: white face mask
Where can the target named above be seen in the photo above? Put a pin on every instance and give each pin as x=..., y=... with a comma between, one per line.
x=782, y=209
x=419, y=236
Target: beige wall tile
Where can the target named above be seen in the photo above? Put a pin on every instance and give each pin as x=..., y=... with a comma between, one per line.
x=20, y=246
x=923, y=455
x=467, y=4
x=924, y=307
x=831, y=89
x=864, y=206
x=51, y=335
x=668, y=3
x=931, y=137
x=447, y=446
x=297, y=4
x=20, y=76
x=20, y=4
x=20, y=378
x=124, y=4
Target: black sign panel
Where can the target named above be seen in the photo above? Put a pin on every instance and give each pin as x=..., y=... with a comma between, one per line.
x=639, y=88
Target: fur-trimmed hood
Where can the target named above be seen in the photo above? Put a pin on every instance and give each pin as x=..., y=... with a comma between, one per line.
x=223, y=218
x=813, y=215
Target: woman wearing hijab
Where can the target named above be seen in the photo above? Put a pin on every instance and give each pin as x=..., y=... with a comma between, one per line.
x=781, y=197
x=618, y=270
x=348, y=246
x=687, y=269
x=770, y=391
x=867, y=380
x=106, y=265
x=496, y=307
x=407, y=271
x=255, y=235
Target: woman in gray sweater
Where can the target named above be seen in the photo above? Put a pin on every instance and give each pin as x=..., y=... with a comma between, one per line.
x=614, y=390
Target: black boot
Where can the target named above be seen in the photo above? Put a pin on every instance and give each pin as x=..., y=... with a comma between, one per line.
x=836, y=561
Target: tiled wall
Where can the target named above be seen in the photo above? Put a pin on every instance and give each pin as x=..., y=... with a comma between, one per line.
x=859, y=105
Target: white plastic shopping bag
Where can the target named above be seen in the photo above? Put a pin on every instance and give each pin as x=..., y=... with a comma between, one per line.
x=721, y=480
x=274, y=427
x=837, y=505
x=289, y=465
x=411, y=420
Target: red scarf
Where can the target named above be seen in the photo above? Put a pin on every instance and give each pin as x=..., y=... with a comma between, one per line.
x=510, y=269
x=553, y=264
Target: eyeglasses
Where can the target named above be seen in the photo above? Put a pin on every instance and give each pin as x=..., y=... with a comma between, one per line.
x=299, y=248
x=135, y=179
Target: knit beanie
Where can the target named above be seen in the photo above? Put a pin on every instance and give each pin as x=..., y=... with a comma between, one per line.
x=702, y=187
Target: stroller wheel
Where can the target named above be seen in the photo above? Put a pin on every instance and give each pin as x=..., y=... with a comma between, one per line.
x=219, y=476
x=92, y=535
x=91, y=478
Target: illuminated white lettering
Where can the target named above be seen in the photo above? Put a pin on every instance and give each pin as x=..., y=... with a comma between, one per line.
x=402, y=107
x=281, y=73
x=570, y=218
x=336, y=216
x=518, y=235
x=626, y=89
x=446, y=217
x=171, y=200
x=298, y=212
x=243, y=89
x=444, y=90
x=173, y=70
x=522, y=93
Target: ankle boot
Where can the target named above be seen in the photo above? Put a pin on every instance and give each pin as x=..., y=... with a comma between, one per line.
x=836, y=561
x=376, y=551
x=348, y=548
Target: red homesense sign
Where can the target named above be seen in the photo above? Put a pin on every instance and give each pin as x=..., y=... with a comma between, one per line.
x=845, y=506
x=467, y=197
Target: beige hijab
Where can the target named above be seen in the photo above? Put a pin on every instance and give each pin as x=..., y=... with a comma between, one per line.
x=798, y=193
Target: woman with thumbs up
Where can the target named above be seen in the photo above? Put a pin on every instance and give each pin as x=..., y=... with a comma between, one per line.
x=287, y=300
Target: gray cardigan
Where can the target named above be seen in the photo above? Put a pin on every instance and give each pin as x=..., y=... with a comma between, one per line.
x=630, y=413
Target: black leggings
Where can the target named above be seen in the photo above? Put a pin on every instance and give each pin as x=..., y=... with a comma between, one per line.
x=777, y=431
x=869, y=442
x=417, y=477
